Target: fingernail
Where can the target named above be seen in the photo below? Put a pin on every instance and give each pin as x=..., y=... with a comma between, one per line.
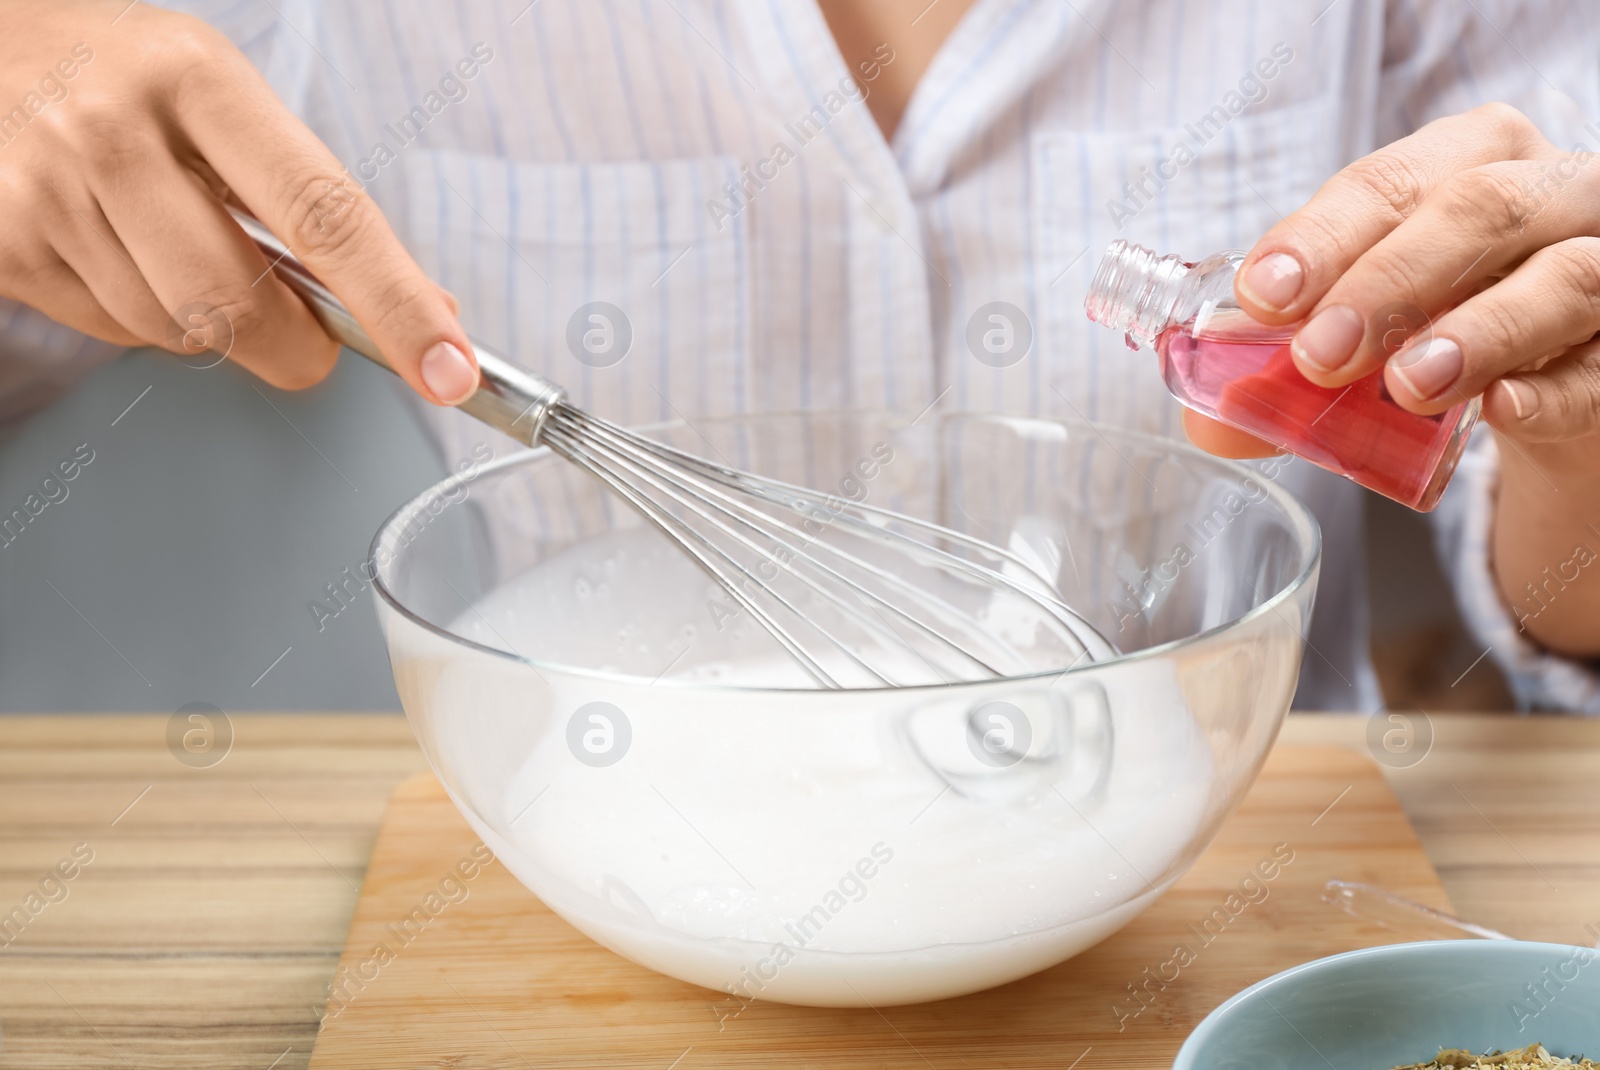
x=1524, y=398
x=1428, y=370
x=447, y=372
x=1331, y=338
x=1274, y=281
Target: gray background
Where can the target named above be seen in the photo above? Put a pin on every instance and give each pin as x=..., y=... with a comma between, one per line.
x=191, y=545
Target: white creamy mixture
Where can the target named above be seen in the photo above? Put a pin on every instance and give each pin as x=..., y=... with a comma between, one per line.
x=838, y=848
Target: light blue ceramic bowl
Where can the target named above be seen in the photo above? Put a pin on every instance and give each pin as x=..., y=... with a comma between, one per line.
x=1391, y=1006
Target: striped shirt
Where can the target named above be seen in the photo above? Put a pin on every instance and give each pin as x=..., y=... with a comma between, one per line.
x=702, y=175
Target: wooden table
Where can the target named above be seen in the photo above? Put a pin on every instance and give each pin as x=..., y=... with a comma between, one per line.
x=209, y=921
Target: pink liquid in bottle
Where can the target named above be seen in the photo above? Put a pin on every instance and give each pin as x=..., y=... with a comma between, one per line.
x=1220, y=362
x=1241, y=373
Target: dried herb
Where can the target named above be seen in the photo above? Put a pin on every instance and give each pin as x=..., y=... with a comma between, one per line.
x=1533, y=1057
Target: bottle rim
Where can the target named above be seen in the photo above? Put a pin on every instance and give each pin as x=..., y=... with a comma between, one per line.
x=1132, y=290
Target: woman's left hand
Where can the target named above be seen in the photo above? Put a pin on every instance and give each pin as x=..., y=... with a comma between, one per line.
x=1464, y=260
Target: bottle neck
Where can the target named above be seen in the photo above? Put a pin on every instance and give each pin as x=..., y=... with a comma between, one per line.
x=1134, y=290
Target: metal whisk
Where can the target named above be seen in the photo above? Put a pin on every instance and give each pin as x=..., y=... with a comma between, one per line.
x=857, y=594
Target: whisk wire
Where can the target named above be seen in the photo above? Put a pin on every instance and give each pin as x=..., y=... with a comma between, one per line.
x=663, y=482
x=785, y=536
x=691, y=542
x=791, y=496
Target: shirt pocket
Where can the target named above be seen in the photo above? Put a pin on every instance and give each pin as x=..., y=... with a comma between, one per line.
x=1192, y=190
x=612, y=279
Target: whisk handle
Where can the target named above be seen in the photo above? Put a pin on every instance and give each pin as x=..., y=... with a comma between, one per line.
x=508, y=399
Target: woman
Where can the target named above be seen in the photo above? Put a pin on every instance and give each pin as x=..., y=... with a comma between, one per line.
x=728, y=205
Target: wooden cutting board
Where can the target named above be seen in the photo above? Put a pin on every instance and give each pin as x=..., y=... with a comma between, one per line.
x=496, y=980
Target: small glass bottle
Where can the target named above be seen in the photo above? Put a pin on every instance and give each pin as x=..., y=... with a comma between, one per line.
x=1220, y=362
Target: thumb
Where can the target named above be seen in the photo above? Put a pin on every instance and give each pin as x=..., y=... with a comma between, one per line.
x=412, y=320
x=1223, y=440
x=299, y=190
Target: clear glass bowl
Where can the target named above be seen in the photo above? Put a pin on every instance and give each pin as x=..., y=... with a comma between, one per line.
x=866, y=846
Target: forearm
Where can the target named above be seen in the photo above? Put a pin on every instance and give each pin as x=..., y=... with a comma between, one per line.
x=1547, y=547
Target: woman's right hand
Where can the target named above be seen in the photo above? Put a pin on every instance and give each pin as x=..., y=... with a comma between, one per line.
x=124, y=129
